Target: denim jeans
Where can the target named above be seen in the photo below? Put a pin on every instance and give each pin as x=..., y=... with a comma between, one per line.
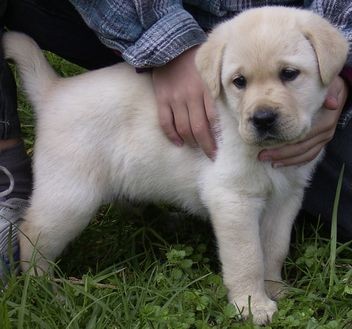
x=57, y=27
x=9, y=122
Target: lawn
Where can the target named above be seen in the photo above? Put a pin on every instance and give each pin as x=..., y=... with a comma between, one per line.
x=151, y=266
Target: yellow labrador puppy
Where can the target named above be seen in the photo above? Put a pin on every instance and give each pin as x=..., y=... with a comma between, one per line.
x=98, y=139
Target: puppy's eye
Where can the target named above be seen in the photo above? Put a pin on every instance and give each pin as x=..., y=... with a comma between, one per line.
x=289, y=74
x=240, y=82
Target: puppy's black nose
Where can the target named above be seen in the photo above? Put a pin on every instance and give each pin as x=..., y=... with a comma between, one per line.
x=264, y=119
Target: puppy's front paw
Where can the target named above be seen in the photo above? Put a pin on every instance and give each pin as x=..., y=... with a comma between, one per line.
x=261, y=310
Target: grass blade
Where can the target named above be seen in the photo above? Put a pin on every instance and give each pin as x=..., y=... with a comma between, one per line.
x=333, y=241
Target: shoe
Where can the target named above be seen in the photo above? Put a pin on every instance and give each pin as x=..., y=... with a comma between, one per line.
x=11, y=211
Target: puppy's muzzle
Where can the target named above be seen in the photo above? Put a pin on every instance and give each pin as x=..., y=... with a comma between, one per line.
x=264, y=120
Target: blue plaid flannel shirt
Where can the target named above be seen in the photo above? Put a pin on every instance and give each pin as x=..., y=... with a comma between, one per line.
x=151, y=33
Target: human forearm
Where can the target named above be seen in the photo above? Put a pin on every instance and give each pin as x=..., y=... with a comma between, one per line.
x=144, y=36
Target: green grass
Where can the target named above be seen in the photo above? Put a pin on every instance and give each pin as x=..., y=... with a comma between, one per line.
x=153, y=267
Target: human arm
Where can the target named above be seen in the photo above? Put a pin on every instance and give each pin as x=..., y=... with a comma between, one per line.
x=186, y=110
x=163, y=39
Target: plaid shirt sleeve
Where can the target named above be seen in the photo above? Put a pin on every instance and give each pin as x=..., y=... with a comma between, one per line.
x=146, y=33
x=339, y=13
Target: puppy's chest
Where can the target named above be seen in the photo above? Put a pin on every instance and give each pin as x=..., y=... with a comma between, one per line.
x=282, y=181
x=262, y=180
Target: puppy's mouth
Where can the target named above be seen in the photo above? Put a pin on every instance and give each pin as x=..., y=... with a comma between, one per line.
x=276, y=138
x=267, y=127
x=273, y=133
x=270, y=139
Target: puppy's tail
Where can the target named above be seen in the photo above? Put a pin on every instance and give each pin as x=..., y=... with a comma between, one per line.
x=36, y=73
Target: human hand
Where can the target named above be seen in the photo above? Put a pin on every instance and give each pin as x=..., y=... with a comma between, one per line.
x=320, y=134
x=185, y=108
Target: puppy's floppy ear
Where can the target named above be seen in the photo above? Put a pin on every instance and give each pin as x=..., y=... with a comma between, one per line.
x=209, y=59
x=329, y=44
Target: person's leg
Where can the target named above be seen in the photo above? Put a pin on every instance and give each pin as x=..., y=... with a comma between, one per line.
x=56, y=26
x=15, y=167
x=319, y=198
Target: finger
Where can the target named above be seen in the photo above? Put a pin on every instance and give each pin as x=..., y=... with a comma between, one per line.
x=166, y=121
x=300, y=159
x=212, y=116
x=182, y=124
x=331, y=103
x=333, y=99
x=294, y=150
x=200, y=128
x=324, y=127
x=325, y=122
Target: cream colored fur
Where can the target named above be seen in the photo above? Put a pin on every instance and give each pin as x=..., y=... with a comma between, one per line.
x=98, y=139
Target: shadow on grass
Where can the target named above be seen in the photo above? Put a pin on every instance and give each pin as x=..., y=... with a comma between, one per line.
x=137, y=235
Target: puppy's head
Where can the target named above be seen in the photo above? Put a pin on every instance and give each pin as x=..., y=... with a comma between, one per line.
x=271, y=67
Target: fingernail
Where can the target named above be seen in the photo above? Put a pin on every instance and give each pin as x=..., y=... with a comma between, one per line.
x=178, y=142
x=332, y=102
x=332, y=99
x=265, y=158
x=277, y=165
x=213, y=155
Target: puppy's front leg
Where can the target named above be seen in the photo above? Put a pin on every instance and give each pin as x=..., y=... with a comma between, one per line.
x=235, y=219
x=275, y=235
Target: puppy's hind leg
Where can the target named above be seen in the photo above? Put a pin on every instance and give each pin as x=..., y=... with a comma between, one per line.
x=53, y=220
